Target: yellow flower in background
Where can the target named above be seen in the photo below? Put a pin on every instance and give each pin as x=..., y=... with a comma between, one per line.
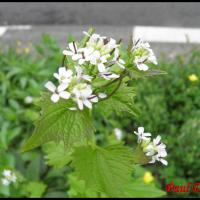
x=148, y=177
x=193, y=77
x=27, y=50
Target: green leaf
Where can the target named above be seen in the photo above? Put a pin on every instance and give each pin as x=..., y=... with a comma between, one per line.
x=104, y=170
x=139, y=157
x=121, y=101
x=138, y=189
x=78, y=188
x=58, y=123
x=36, y=189
x=56, y=154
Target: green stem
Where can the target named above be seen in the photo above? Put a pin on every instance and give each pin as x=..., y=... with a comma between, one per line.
x=63, y=61
x=113, y=81
x=113, y=92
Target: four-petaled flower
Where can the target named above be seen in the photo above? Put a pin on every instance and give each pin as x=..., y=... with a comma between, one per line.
x=58, y=92
x=64, y=75
x=83, y=95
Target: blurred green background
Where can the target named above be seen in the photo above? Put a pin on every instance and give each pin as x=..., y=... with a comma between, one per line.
x=168, y=105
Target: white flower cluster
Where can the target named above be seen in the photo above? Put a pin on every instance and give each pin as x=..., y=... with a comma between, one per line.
x=155, y=149
x=143, y=55
x=70, y=86
x=8, y=177
x=99, y=53
x=98, y=57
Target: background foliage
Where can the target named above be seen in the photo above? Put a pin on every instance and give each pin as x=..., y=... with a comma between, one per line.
x=168, y=105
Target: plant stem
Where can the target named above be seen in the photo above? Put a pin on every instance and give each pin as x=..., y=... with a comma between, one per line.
x=113, y=81
x=63, y=60
x=113, y=92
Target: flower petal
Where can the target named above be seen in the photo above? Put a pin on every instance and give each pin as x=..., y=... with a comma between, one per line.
x=94, y=99
x=88, y=104
x=61, y=70
x=55, y=97
x=62, y=87
x=157, y=140
x=76, y=56
x=140, y=130
x=50, y=86
x=64, y=95
x=56, y=75
x=80, y=104
x=164, y=162
x=68, y=53
x=71, y=46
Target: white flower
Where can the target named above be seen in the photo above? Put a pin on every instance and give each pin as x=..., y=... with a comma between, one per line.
x=86, y=54
x=97, y=59
x=8, y=177
x=111, y=44
x=28, y=100
x=63, y=75
x=143, y=54
x=83, y=95
x=73, y=51
x=58, y=92
x=156, y=150
x=158, y=158
x=141, y=135
x=80, y=75
x=118, y=133
x=139, y=61
x=94, y=38
x=7, y=173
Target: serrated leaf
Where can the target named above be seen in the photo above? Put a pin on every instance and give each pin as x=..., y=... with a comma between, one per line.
x=78, y=188
x=56, y=154
x=138, y=189
x=121, y=101
x=58, y=123
x=104, y=170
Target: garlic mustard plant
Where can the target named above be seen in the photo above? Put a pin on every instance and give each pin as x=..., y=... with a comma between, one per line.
x=97, y=74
